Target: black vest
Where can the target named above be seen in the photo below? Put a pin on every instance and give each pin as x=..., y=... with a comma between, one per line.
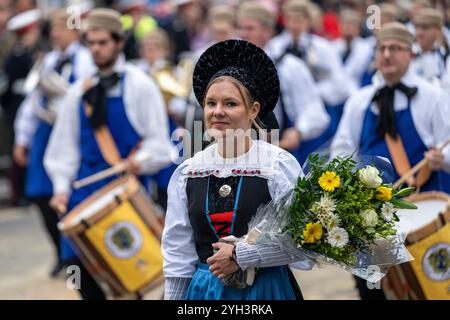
x=254, y=193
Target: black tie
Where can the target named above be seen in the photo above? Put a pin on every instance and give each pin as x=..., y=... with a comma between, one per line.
x=62, y=61
x=384, y=97
x=347, y=52
x=96, y=97
x=296, y=50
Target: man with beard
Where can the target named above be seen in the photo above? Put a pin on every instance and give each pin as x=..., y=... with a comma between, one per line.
x=121, y=102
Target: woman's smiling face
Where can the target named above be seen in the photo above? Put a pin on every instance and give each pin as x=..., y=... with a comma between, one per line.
x=225, y=107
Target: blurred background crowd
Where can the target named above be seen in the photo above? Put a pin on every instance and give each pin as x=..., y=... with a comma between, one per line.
x=166, y=37
x=169, y=35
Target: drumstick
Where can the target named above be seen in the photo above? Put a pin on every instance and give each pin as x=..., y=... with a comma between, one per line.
x=118, y=168
x=417, y=167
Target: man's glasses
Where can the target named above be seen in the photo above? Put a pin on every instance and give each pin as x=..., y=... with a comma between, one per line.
x=392, y=49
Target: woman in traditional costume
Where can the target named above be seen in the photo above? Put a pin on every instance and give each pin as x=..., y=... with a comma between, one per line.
x=217, y=192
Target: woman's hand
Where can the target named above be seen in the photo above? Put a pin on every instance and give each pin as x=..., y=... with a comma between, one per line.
x=222, y=263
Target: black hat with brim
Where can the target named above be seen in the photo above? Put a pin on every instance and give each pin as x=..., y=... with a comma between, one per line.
x=243, y=61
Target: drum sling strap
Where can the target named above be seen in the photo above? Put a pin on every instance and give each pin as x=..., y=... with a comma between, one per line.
x=401, y=161
x=103, y=137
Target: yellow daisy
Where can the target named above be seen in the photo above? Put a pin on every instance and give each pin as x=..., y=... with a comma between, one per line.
x=329, y=181
x=312, y=232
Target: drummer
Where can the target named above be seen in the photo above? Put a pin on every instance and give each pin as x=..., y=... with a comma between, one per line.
x=118, y=111
x=402, y=115
x=402, y=118
x=34, y=120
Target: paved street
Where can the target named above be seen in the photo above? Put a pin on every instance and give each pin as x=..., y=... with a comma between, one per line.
x=26, y=259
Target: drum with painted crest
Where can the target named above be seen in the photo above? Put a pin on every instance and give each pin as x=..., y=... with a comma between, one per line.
x=117, y=232
x=427, y=232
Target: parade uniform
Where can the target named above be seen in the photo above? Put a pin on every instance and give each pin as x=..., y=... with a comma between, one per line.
x=325, y=66
x=136, y=115
x=162, y=177
x=299, y=106
x=16, y=67
x=355, y=57
x=137, y=120
x=33, y=130
x=431, y=65
x=421, y=122
x=370, y=68
x=211, y=197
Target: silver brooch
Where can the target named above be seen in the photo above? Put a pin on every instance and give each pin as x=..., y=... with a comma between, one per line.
x=224, y=190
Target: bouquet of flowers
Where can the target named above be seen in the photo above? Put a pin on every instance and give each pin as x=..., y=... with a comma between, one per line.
x=340, y=215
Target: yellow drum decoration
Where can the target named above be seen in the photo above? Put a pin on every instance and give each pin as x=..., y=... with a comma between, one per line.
x=428, y=240
x=118, y=233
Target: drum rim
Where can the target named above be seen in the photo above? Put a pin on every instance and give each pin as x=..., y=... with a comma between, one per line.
x=439, y=222
x=130, y=181
x=430, y=195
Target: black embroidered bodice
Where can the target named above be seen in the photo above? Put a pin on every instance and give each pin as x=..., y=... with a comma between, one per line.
x=219, y=223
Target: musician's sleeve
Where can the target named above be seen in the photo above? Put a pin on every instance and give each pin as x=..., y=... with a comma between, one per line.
x=147, y=113
x=347, y=137
x=84, y=64
x=62, y=156
x=311, y=116
x=178, y=247
x=441, y=128
x=26, y=121
x=336, y=86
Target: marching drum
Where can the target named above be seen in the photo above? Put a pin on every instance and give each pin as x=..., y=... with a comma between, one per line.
x=428, y=240
x=117, y=232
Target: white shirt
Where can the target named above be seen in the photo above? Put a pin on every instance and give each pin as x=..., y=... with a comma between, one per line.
x=323, y=62
x=279, y=167
x=302, y=103
x=429, y=112
x=359, y=59
x=445, y=80
x=429, y=65
x=145, y=110
x=83, y=66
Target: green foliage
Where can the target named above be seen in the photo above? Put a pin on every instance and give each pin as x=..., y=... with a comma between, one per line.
x=351, y=198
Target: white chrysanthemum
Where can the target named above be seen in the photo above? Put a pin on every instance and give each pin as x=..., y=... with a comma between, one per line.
x=388, y=211
x=337, y=237
x=333, y=222
x=324, y=209
x=325, y=205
